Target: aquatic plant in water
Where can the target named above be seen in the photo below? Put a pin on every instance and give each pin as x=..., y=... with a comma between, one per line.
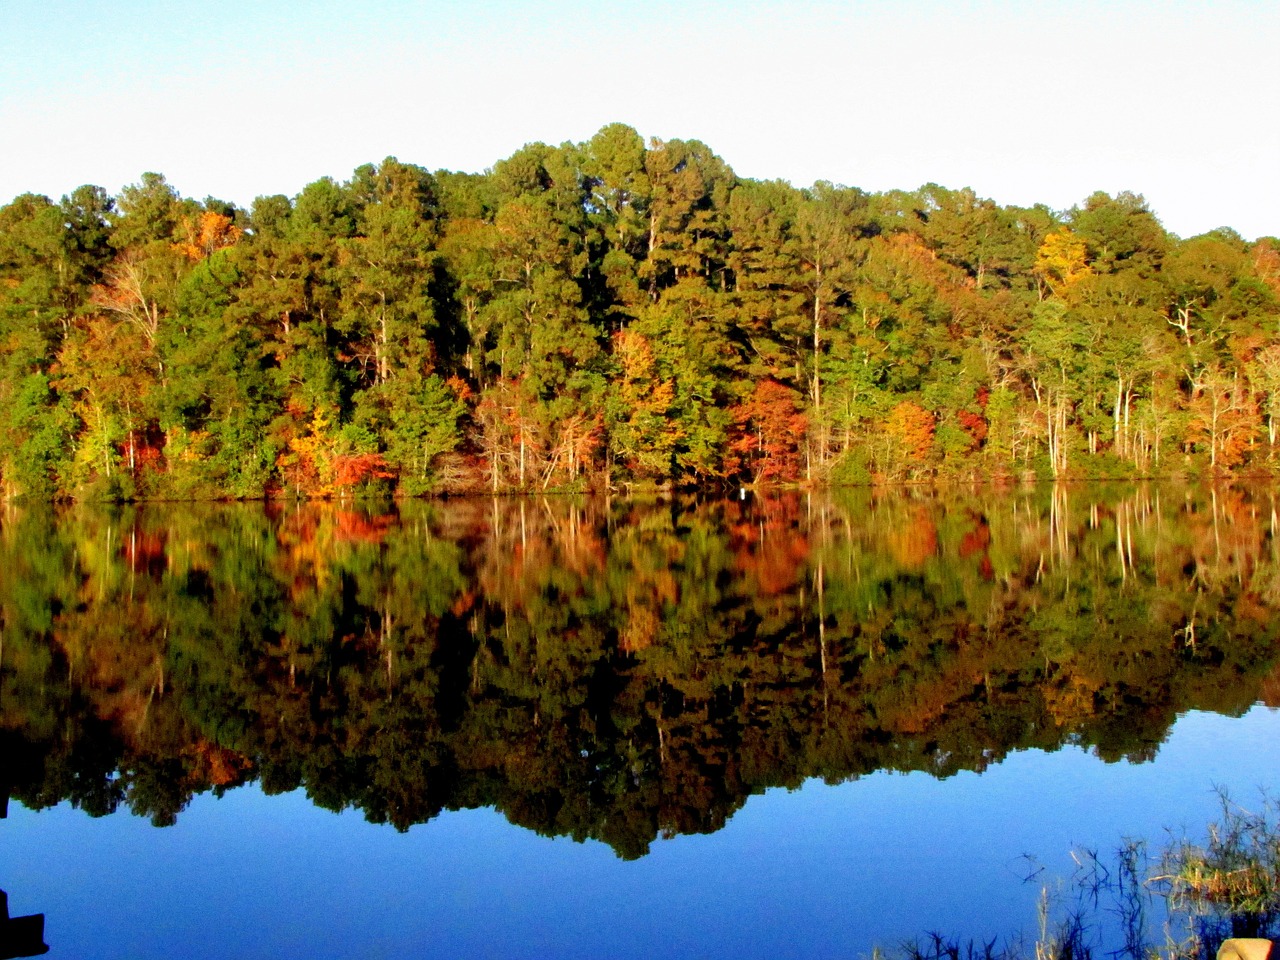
x=1232, y=879
x=1202, y=891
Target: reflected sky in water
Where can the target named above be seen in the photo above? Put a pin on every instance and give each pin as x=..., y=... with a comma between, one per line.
x=821, y=871
x=280, y=685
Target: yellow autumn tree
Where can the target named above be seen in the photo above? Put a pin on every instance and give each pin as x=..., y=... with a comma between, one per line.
x=642, y=431
x=1061, y=260
x=307, y=464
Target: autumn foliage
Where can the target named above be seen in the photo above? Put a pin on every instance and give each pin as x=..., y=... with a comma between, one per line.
x=403, y=661
x=206, y=233
x=618, y=314
x=350, y=470
x=768, y=435
x=911, y=428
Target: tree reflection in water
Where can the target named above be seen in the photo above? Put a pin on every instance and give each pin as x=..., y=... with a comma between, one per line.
x=617, y=670
x=19, y=936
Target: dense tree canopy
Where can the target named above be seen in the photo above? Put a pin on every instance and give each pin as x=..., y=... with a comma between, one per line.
x=613, y=314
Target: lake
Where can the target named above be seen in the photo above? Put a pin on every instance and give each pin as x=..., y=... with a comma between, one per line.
x=796, y=726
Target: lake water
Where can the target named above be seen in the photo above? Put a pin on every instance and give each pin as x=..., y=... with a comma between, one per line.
x=788, y=727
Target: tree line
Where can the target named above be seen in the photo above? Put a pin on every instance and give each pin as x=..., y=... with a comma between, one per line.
x=617, y=314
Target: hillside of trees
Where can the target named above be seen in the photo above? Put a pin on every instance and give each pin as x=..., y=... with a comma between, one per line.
x=613, y=314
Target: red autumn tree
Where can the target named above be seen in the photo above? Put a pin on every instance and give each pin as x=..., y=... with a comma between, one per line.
x=350, y=470
x=767, y=437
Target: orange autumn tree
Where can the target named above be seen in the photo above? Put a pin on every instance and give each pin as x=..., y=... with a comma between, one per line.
x=767, y=436
x=1223, y=417
x=205, y=234
x=909, y=436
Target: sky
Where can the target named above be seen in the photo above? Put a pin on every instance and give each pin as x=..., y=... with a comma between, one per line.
x=1025, y=102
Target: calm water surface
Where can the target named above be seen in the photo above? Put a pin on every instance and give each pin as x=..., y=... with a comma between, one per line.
x=794, y=727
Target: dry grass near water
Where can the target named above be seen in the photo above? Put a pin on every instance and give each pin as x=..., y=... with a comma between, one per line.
x=1177, y=902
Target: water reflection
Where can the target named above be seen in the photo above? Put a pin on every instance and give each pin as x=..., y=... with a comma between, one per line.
x=20, y=936
x=618, y=670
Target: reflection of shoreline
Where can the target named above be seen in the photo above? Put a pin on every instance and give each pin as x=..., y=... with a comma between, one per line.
x=616, y=670
x=20, y=936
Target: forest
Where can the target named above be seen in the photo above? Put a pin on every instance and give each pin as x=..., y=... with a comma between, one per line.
x=617, y=671
x=618, y=315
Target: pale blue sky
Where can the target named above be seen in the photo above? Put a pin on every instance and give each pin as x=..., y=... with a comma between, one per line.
x=1023, y=101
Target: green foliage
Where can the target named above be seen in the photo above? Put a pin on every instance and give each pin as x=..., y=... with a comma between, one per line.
x=39, y=432
x=851, y=469
x=612, y=670
x=149, y=213
x=188, y=346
